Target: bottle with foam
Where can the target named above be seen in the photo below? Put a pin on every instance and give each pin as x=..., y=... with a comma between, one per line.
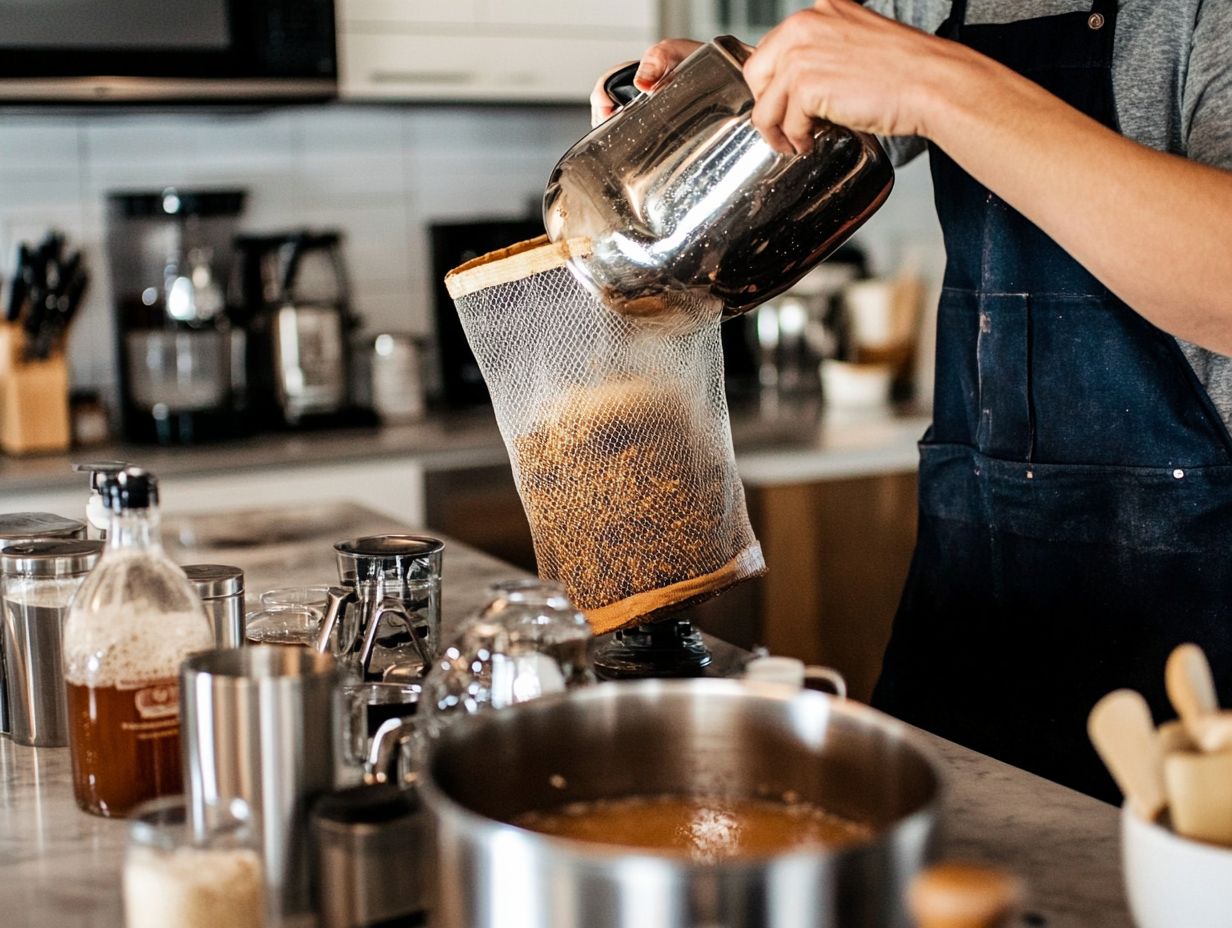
x=135, y=618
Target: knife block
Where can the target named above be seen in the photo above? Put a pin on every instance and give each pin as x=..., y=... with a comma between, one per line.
x=34, y=412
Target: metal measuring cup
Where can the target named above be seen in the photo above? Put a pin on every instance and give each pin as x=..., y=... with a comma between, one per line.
x=387, y=604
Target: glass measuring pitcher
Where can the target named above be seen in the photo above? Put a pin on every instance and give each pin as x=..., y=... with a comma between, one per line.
x=387, y=607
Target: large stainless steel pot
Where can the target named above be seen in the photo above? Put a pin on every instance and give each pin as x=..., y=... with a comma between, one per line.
x=675, y=737
x=683, y=200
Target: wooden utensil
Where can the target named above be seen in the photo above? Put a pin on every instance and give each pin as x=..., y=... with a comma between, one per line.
x=1200, y=795
x=1191, y=688
x=961, y=895
x=1174, y=736
x=1123, y=733
x=1213, y=733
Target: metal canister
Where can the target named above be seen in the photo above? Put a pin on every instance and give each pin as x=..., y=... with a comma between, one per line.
x=373, y=857
x=29, y=526
x=39, y=579
x=221, y=588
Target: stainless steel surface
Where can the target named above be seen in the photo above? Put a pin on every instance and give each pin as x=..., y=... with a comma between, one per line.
x=221, y=588
x=676, y=737
x=259, y=724
x=683, y=201
x=37, y=582
x=28, y=526
x=373, y=853
x=136, y=89
x=309, y=344
x=68, y=557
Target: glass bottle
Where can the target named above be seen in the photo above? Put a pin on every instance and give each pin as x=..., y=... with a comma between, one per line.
x=133, y=621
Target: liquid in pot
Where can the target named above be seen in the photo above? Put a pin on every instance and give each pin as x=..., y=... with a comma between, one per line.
x=705, y=829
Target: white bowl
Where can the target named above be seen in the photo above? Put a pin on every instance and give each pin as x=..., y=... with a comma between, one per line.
x=847, y=385
x=1173, y=882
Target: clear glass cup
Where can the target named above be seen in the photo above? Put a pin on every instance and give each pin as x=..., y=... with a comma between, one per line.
x=367, y=706
x=285, y=626
x=527, y=641
x=315, y=597
x=174, y=878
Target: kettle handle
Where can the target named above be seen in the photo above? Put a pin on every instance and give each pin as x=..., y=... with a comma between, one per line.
x=619, y=84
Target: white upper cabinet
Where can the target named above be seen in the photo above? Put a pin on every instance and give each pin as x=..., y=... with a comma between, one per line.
x=487, y=50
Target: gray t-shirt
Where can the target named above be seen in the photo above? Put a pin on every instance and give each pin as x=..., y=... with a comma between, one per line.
x=1172, y=77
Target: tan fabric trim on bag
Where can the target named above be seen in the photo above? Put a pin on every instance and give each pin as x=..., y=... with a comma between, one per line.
x=641, y=608
x=496, y=267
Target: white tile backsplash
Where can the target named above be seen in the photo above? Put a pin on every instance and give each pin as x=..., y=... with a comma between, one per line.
x=379, y=174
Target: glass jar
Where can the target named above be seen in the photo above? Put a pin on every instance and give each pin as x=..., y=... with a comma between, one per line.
x=527, y=641
x=130, y=625
x=176, y=879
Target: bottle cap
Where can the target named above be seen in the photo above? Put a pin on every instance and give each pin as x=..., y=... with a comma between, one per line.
x=130, y=488
x=99, y=471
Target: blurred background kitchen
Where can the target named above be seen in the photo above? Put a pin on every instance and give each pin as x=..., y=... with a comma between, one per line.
x=231, y=257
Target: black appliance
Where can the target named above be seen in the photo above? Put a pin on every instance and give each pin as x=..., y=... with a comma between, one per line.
x=181, y=371
x=290, y=292
x=454, y=243
x=167, y=50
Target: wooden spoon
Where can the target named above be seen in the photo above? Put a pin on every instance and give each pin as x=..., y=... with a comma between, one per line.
x=960, y=895
x=1191, y=687
x=1123, y=733
x=1199, y=797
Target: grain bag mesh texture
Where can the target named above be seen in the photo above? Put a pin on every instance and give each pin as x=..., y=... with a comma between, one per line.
x=618, y=431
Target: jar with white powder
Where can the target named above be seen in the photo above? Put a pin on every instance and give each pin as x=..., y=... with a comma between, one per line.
x=174, y=878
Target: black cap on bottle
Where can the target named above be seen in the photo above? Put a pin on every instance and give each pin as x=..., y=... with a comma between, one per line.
x=131, y=488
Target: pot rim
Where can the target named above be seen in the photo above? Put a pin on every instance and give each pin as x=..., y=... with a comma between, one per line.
x=440, y=804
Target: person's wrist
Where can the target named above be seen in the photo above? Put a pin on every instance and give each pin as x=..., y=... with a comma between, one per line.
x=949, y=77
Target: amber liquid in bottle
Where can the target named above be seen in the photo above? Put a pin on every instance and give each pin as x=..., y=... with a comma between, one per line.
x=131, y=624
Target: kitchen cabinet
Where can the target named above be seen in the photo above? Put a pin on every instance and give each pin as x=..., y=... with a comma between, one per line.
x=486, y=50
x=748, y=20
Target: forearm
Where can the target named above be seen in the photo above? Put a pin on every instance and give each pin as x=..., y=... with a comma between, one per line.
x=1156, y=229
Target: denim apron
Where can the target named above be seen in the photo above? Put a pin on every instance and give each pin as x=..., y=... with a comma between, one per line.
x=1075, y=515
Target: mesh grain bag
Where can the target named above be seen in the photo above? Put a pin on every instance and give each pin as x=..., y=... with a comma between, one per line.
x=618, y=431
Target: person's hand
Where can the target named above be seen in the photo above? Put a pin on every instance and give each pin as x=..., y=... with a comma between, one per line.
x=843, y=63
x=657, y=61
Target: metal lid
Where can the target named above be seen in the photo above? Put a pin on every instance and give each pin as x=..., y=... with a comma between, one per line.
x=50, y=558
x=98, y=470
x=214, y=580
x=391, y=546
x=30, y=525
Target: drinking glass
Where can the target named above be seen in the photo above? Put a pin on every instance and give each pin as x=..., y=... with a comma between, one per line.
x=288, y=626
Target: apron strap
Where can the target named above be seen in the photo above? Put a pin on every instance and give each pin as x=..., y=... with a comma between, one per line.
x=954, y=22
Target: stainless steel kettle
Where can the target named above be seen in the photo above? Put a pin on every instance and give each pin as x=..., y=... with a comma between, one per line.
x=683, y=201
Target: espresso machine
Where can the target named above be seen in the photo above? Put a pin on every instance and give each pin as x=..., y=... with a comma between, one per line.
x=181, y=375
x=290, y=289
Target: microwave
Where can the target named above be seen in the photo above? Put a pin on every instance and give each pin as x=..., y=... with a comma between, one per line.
x=166, y=50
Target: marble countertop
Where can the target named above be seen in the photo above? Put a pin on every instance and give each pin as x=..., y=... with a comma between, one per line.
x=792, y=440
x=59, y=868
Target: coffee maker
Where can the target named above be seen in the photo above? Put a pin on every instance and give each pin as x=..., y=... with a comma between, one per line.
x=291, y=292
x=180, y=357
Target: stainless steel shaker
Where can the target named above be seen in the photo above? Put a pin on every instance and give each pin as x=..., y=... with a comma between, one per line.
x=372, y=844
x=374, y=857
x=259, y=725
x=38, y=580
x=221, y=588
x=29, y=526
